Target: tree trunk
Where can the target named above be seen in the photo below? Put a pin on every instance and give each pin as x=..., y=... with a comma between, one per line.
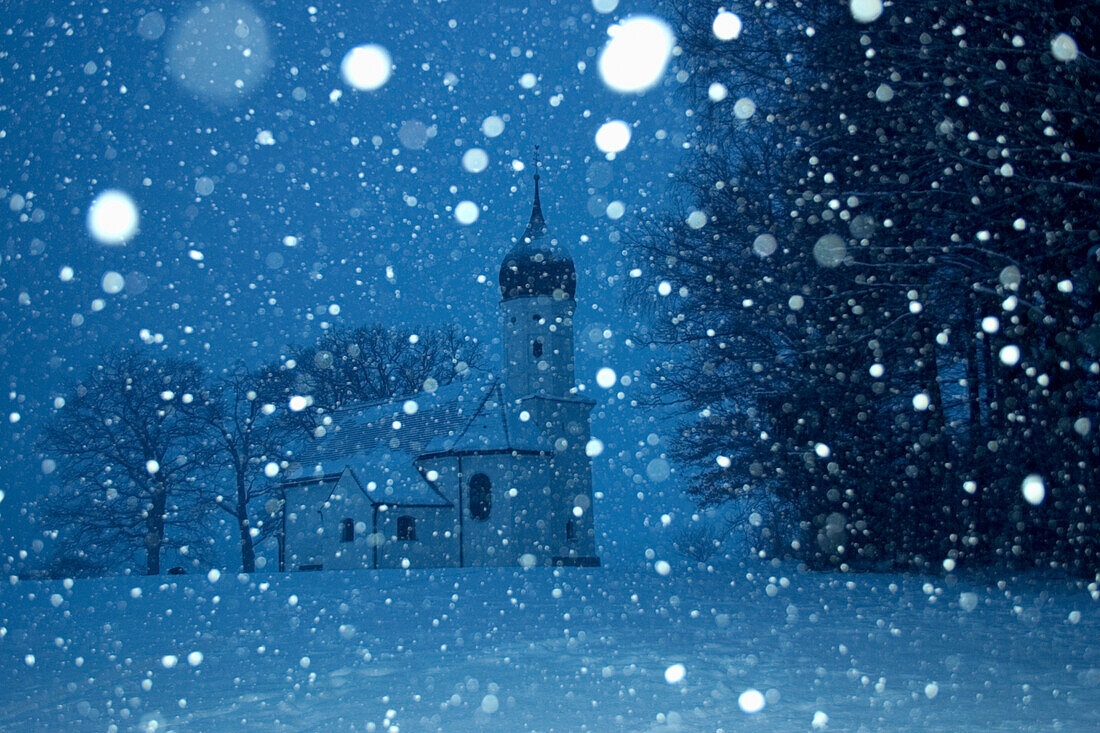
x=154, y=530
x=996, y=505
x=973, y=383
x=248, y=552
x=940, y=474
x=975, y=432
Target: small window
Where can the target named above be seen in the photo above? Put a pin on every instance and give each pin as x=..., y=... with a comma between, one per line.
x=536, y=348
x=571, y=530
x=481, y=496
x=406, y=529
x=347, y=530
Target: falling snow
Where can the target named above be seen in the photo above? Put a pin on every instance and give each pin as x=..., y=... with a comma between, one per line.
x=804, y=302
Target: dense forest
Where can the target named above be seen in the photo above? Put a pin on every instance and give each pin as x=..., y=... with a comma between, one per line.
x=882, y=291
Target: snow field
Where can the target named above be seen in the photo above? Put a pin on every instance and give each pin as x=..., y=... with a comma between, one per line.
x=759, y=648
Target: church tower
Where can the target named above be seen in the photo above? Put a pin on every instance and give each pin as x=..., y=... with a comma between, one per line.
x=537, y=284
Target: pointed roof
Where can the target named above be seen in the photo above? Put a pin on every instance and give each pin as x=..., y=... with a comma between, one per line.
x=537, y=264
x=536, y=227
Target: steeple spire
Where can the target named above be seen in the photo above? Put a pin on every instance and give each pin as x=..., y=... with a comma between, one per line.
x=537, y=225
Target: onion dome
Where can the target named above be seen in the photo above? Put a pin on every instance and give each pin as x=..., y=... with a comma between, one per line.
x=537, y=264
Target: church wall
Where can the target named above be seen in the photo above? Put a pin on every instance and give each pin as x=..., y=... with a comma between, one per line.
x=436, y=543
x=530, y=507
x=488, y=541
x=346, y=502
x=546, y=505
x=303, y=542
x=483, y=540
x=572, y=501
x=315, y=532
x=517, y=524
x=568, y=476
x=313, y=517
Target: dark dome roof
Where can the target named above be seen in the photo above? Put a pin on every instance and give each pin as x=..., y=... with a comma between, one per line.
x=537, y=264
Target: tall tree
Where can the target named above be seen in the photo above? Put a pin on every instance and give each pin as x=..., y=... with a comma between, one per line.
x=126, y=449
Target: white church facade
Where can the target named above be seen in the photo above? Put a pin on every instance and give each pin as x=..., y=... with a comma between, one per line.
x=485, y=472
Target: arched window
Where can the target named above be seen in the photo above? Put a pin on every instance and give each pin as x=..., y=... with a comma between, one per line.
x=481, y=496
x=571, y=530
x=347, y=530
x=536, y=348
x=406, y=529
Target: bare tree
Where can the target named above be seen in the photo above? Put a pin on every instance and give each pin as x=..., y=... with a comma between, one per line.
x=379, y=361
x=126, y=456
x=700, y=540
x=248, y=422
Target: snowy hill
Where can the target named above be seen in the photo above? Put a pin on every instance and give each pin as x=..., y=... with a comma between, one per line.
x=543, y=649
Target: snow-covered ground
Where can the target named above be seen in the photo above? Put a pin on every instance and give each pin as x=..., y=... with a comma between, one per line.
x=541, y=649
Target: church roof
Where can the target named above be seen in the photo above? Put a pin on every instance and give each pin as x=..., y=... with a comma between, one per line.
x=381, y=441
x=492, y=427
x=391, y=477
x=312, y=490
x=385, y=477
x=537, y=264
x=404, y=424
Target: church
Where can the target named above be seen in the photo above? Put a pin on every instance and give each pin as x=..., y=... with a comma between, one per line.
x=480, y=472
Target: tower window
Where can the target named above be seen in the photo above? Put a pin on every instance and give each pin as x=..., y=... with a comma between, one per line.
x=536, y=348
x=571, y=530
x=481, y=496
x=347, y=530
x=406, y=529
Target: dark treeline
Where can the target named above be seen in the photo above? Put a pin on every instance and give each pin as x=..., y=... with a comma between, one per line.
x=144, y=447
x=886, y=311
